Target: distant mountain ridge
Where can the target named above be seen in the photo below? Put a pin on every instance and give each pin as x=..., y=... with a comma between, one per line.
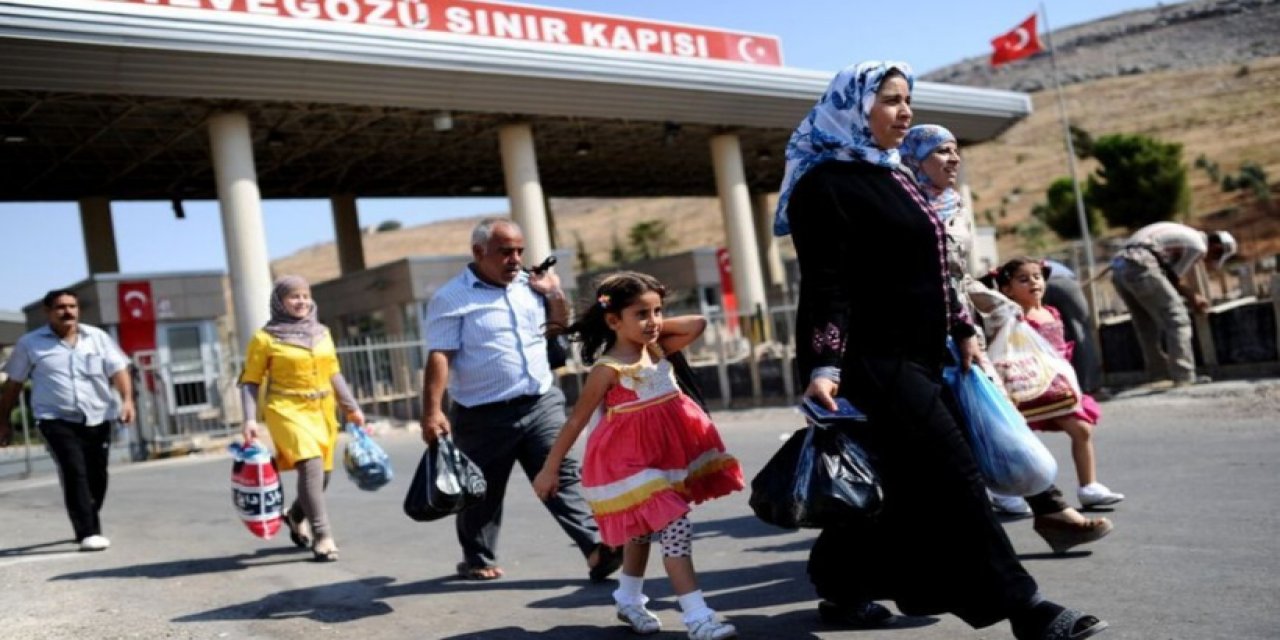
x=1168, y=37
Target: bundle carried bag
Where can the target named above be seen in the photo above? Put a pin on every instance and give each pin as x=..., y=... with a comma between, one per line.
x=821, y=477
x=1013, y=461
x=366, y=463
x=446, y=482
x=255, y=489
x=1040, y=382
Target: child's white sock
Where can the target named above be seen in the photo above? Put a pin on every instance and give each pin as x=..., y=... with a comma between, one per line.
x=630, y=590
x=694, y=607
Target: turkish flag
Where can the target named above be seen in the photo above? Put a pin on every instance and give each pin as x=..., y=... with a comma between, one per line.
x=137, y=317
x=1017, y=44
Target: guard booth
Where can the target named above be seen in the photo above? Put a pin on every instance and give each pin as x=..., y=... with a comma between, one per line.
x=173, y=326
x=376, y=318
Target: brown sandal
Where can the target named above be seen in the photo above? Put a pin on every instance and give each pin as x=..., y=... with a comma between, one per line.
x=468, y=572
x=299, y=532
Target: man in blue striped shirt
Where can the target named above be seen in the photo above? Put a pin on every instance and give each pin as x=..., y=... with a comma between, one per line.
x=72, y=368
x=485, y=330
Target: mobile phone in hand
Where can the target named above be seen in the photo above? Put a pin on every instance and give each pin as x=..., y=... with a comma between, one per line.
x=845, y=412
x=546, y=264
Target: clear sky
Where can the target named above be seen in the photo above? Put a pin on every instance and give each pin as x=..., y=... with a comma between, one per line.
x=43, y=247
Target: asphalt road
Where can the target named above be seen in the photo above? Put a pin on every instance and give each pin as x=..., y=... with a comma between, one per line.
x=1195, y=554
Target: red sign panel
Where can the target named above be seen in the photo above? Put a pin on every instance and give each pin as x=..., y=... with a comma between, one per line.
x=513, y=22
x=728, y=299
x=137, y=317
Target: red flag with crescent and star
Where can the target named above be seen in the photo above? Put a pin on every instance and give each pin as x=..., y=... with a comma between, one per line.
x=137, y=328
x=1019, y=43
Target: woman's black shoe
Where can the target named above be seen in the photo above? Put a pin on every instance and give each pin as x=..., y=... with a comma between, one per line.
x=863, y=615
x=1049, y=621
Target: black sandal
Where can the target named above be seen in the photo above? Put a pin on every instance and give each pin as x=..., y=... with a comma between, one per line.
x=1073, y=625
x=1049, y=621
x=608, y=560
x=863, y=615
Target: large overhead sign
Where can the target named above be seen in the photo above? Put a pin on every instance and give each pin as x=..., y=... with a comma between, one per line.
x=512, y=22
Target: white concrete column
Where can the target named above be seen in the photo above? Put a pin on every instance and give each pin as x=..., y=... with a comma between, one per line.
x=771, y=267
x=346, y=231
x=241, y=206
x=735, y=205
x=99, y=235
x=524, y=190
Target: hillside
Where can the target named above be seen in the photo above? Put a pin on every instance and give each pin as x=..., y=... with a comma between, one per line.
x=691, y=222
x=1172, y=37
x=1228, y=116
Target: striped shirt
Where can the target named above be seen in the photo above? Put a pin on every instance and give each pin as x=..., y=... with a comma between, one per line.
x=496, y=334
x=68, y=382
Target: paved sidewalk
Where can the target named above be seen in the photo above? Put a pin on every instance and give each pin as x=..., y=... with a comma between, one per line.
x=1194, y=555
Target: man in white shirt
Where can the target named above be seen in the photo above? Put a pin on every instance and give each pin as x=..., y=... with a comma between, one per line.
x=1149, y=275
x=72, y=368
x=485, y=330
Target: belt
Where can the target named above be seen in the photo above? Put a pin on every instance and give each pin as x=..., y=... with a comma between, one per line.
x=307, y=394
x=502, y=404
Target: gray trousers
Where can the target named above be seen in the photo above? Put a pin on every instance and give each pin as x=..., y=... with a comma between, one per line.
x=497, y=436
x=1067, y=297
x=1160, y=320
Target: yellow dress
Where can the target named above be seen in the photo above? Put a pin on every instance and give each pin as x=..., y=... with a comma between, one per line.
x=296, y=398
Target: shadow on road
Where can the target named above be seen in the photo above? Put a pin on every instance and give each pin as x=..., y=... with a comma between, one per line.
x=331, y=603
x=41, y=549
x=192, y=567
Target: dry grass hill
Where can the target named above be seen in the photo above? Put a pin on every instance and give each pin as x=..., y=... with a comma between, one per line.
x=1220, y=112
x=1222, y=103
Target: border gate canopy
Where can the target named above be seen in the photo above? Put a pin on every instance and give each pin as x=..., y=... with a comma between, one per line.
x=381, y=98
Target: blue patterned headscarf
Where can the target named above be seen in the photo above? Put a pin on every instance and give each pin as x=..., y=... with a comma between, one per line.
x=837, y=128
x=921, y=140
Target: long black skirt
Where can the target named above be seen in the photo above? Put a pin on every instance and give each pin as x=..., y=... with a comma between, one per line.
x=936, y=547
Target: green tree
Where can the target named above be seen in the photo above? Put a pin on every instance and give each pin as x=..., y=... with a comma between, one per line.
x=1059, y=212
x=1141, y=180
x=388, y=225
x=1253, y=176
x=649, y=239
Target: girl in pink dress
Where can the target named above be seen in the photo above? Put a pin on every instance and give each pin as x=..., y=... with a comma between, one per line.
x=653, y=453
x=1023, y=281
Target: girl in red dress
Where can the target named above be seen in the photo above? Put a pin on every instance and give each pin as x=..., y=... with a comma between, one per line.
x=653, y=453
x=1023, y=281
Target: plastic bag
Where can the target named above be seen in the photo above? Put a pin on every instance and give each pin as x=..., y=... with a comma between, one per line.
x=1013, y=461
x=255, y=489
x=366, y=463
x=1040, y=382
x=446, y=482
x=819, y=478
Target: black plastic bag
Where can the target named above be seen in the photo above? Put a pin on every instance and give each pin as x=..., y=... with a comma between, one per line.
x=819, y=478
x=446, y=482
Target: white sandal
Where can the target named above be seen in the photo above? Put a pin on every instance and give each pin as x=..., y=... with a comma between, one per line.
x=640, y=619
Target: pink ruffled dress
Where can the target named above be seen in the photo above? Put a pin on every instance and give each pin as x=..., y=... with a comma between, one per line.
x=653, y=454
x=1089, y=411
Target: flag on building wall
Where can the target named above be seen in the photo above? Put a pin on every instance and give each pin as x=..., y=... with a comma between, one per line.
x=137, y=329
x=1017, y=44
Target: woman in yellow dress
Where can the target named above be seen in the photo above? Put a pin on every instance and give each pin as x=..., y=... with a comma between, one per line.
x=292, y=367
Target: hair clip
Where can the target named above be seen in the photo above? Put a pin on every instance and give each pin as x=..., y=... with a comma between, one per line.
x=603, y=300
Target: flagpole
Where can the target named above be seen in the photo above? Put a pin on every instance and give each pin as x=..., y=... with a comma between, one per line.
x=1085, y=236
